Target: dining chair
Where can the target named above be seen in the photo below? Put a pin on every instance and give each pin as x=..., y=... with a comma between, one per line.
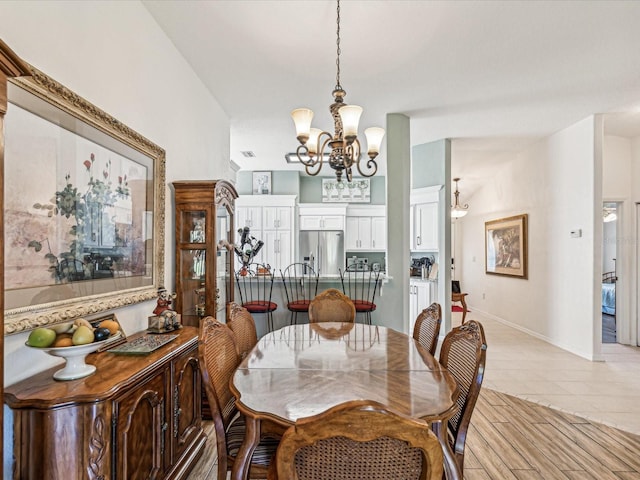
x=255, y=286
x=427, y=327
x=243, y=327
x=218, y=359
x=361, y=287
x=359, y=439
x=463, y=353
x=301, y=286
x=332, y=306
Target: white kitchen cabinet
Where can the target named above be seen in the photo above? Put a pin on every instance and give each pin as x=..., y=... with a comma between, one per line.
x=366, y=233
x=421, y=295
x=277, y=245
x=358, y=233
x=321, y=222
x=271, y=219
x=322, y=217
x=424, y=219
x=277, y=218
x=249, y=217
x=366, y=228
x=425, y=226
x=379, y=233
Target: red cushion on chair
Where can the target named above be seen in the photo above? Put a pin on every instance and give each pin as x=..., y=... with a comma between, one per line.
x=456, y=308
x=299, y=305
x=364, y=306
x=260, y=306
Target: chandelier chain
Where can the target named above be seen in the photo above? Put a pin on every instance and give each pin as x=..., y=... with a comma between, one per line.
x=338, y=87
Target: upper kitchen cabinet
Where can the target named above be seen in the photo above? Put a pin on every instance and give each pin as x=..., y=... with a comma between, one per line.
x=204, y=248
x=424, y=219
x=322, y=217
x=249, y=217
x=366, y=228
x=270, y=218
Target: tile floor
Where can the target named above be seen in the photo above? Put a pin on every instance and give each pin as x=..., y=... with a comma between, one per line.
x=607, y=392
x=520, y=365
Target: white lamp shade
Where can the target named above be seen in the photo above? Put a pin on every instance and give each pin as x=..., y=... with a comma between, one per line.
x=350, y=115
x=458, y=212
x=374, y=139
x=302, y=118
x=312, y=143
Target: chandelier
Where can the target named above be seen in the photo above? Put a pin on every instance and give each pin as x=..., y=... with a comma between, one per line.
x=343, y=144
x=457, y=210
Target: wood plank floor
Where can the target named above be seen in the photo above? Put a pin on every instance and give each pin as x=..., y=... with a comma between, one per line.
x=513, y=439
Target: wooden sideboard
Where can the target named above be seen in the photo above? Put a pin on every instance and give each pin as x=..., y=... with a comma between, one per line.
x=137, y=417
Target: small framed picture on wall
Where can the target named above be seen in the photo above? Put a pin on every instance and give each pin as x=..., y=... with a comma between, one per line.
x=261, y=183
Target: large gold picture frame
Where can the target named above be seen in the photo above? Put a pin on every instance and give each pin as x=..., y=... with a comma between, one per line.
x=506, y=246
x=84, y=208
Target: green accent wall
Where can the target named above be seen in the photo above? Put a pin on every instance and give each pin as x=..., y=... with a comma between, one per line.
x=308, y=189
x=427, y=166
x=283, y=182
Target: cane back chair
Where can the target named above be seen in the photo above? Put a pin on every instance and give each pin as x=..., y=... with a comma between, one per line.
x=463, y=353
x=358, y=440
x=427, y=327
x=219, y=358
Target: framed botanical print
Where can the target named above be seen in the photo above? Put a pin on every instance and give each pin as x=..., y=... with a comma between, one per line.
x=506, y=246
x=261, y=183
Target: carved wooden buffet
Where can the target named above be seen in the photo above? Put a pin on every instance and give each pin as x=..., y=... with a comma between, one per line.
x=137, y=417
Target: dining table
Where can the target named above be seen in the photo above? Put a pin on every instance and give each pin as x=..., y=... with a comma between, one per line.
x=303, y=370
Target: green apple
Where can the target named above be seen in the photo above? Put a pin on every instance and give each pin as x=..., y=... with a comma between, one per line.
x=41, y=337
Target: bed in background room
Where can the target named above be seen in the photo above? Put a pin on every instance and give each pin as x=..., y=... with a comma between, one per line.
x=609, y=293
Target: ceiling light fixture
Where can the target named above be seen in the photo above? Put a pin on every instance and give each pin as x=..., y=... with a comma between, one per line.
x=344, y=143
x=457, y=210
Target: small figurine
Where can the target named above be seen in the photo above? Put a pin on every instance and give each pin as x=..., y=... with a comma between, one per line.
x=164, y=301
x=164, y=319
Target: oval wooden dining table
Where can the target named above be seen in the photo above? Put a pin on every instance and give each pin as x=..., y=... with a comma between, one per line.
x=303, y=370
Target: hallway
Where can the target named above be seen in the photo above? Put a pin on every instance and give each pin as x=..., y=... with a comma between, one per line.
x=521, y=365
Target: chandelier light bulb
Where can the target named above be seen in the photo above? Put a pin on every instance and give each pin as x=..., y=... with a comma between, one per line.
x=302, y=118
x=312, y=143
x=350, y=116
x=374, y=139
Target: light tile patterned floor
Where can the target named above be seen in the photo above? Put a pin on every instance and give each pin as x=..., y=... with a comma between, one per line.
x=529, y=368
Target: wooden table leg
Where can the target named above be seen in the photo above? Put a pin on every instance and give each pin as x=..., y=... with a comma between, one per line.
x=452, y=472
x=242, y=464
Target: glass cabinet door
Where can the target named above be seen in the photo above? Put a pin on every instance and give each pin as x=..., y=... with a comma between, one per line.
x=194, y=224
x=224, y=277
x=192, y=265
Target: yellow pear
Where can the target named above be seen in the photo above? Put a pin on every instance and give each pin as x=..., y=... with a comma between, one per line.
x=82, y=335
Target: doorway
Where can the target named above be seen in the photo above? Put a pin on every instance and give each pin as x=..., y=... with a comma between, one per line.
x=610, y=215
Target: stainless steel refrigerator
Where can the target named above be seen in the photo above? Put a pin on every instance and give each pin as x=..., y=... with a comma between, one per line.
x=323, y=250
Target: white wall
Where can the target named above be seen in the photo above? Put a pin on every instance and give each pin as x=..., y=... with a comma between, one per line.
x=114, y=55
x=553, y=182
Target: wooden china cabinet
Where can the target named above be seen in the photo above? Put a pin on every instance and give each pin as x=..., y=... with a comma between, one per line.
x=204, y=248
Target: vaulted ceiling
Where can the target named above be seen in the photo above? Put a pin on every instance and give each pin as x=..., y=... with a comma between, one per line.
x=494, y=76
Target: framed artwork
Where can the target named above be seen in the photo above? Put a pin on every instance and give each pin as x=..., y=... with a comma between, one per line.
x=84, y=208
x=506, y=246
x=356, y=191
x=261, y=183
